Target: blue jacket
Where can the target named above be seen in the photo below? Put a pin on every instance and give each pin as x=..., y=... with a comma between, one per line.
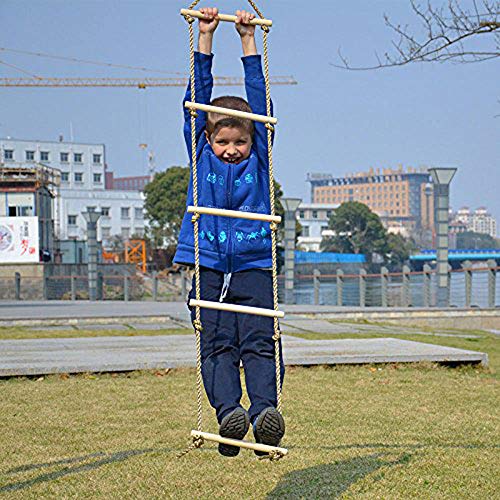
x=227, y=244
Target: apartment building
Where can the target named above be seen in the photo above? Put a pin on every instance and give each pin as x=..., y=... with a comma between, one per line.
x=399, y=197
x=82, y=184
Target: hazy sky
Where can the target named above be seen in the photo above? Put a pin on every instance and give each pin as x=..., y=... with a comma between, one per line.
x=334, y=121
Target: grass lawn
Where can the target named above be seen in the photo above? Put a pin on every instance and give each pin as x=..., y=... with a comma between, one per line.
x=389, y=431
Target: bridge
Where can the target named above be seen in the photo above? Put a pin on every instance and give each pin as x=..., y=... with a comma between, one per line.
x=457, y=257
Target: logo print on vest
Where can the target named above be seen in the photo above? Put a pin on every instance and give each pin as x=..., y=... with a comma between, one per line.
x=237, y=182
x=222, y=236
x=211, y=177
x=202, y=235
x=249, y=179
x=210, y=236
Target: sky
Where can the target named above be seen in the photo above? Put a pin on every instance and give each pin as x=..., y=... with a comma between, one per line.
x=334, y=121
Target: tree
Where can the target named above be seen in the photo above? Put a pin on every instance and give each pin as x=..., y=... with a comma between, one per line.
x=357, y=230
x=165, y=204
x=399, y=250
x=472, y=240
x=450, y=33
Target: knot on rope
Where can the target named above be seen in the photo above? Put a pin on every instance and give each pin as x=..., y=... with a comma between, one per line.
x=197, y=325
x=272, y=456
x=277, y=336
x=270, y=127
x=193, y=113
x=265, y=28
x=195, y=217
x=273, y=226
x=198, y=442
x=188, y=18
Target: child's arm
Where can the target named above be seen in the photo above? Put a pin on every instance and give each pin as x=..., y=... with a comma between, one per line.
x=254, y=78
x=203, y=76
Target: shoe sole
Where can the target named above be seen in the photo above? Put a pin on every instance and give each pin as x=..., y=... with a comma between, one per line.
x=269, y=428
x=234, y=426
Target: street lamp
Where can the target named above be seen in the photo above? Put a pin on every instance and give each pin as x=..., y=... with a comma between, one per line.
x=441, y=177
x=91, y=217
x=290, y=206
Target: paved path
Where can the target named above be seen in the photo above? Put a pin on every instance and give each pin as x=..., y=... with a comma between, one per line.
x=104, y=354
x=35, y=313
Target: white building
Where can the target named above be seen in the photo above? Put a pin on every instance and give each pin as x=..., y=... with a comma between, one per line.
x=313, y=218
x=82, y=169
x=479, y=221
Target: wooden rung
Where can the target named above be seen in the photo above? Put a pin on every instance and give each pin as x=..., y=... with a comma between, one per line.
x=226, y=17
x=239, y=443
x=237, y=214
x=231, y=112
x=223, y=306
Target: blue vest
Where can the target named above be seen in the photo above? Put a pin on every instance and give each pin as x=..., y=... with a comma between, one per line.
x=227, y=244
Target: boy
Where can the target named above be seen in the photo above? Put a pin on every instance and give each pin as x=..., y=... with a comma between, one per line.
x=235, y=254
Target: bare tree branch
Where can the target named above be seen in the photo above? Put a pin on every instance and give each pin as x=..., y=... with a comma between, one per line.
x=449, y=34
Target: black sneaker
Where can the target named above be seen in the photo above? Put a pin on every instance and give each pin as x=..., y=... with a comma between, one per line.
x=234, y=426
x=269, y=428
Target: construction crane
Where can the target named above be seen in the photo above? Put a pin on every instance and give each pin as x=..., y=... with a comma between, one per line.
x=141, y=83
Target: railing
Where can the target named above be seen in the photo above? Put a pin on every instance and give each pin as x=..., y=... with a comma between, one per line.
x=469, y=287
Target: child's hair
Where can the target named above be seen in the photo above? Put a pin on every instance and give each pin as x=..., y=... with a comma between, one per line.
x=216, y=121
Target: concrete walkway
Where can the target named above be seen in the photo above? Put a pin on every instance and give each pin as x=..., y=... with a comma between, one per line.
x=105, y=354
x=64, y=312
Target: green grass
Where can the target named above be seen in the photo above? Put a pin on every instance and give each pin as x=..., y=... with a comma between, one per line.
x=381, y=431
x=13, y=333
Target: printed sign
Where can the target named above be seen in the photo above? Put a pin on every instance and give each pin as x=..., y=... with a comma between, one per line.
x=19, y=240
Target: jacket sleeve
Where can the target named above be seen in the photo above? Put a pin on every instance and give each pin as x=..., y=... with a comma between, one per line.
x=203, y=86
x=256, y=95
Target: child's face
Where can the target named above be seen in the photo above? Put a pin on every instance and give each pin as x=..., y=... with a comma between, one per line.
x=231, y=144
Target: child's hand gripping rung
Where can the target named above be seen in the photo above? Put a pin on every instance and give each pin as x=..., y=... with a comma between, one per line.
x=231, y=112
x=236, y=214
x=223, y=306
x=225, y=17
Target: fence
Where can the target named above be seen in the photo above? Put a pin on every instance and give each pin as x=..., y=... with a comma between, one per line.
x=469, y=287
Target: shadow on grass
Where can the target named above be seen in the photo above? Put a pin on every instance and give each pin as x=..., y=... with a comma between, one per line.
x=331, y=480
x=106, y=459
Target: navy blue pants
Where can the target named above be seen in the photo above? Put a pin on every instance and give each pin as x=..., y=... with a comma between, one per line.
x=228, y=338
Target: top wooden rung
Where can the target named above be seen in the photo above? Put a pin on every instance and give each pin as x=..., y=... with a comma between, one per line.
x=226, y=17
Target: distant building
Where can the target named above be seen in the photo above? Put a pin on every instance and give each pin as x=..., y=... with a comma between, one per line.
x=135, y=183
x=479, y=221
x=402, y=199
x=82, y=185
x=313, y=218
x=29, y=191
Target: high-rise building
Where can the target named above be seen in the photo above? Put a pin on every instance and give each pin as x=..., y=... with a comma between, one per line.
x=399, y=197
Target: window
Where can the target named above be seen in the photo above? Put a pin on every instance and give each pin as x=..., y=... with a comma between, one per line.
x=78, y=177
x=64, y=157
x=139, y=231
x=125, y=232
x=138, y=213
x=64, y=177
x=97, y=177
x=25, y=211
x=44, y=156
x=315, y=214
x=125, y=212
x=78, y=157
x=71, y=220
x=96, y=158
x=328, y=214
x=30, y=155
x=8, y=154
x=301, y=214
x=305, y=231
x=105, y=211
x=105, y=233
